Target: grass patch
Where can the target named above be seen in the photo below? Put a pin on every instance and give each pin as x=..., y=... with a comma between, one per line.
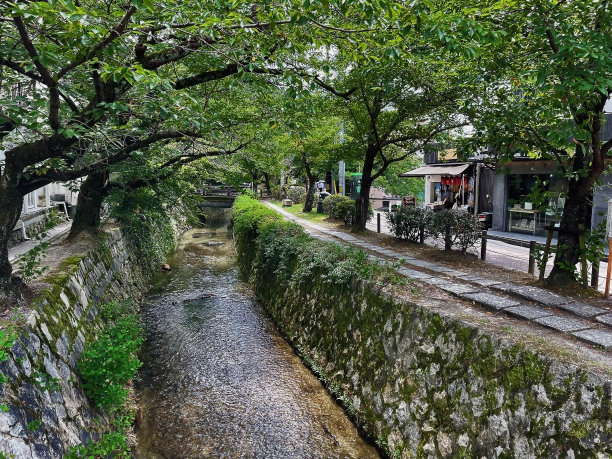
x=296, y=210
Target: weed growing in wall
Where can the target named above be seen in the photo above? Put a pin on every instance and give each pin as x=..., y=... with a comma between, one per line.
x=107, y=367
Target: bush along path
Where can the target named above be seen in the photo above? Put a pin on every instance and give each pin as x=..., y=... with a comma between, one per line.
x=582, y=321
x=423, y=376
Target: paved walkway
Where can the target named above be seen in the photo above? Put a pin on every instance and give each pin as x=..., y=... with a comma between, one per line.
x=504, y=254
x=562, y=314
x=18, y=250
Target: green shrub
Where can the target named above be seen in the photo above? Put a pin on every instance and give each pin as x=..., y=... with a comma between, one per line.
x=110, y=362
x=297, y=194
x=248, y=214
x=275, y=192
x=339, y=207
x=406, y=222
x=107, y=366
x=456, y=227
x=146, y=225
x=270, y=248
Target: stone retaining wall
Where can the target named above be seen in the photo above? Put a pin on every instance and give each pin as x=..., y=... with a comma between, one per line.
x=425, y=384
x=47, y=410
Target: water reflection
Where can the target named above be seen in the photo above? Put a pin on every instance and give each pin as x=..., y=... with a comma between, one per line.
x=218, y=380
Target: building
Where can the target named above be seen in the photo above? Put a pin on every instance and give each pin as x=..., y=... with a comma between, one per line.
x=449, y=181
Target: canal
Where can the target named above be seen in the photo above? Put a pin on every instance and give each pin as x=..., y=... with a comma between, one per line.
x=218, y=380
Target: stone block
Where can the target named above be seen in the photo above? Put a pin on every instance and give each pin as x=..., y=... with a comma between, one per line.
x=605, y=319
x=490, y=301
x=527, y=312
x=563, y=324
x=483, y=281
x=455, y=288
x=601, y=338
x=414, y=274
x=581, y=309
x=534, y=294
x=422, y=264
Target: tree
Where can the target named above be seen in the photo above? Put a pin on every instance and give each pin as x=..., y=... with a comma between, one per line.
x=547, y=84
x=394, y=109
x=99, y=72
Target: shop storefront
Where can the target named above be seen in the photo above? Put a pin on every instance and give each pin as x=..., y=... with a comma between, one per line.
x=528, y=197
x=459, y=185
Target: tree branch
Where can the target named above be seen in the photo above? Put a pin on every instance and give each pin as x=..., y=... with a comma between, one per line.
x=116, y=32
x=61, y=176
x=47, y=79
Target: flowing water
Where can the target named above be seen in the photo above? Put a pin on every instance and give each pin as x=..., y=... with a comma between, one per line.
x=218, y=380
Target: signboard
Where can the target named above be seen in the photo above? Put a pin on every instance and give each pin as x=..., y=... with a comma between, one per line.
x=408, y=201
x=341, y=178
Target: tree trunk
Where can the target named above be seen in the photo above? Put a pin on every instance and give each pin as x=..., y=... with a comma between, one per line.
x=311, y=185
x=575, y=212
x=267, y=182
x=89, y=204
x=308, y=205
x=11, y=202
x=362, y=204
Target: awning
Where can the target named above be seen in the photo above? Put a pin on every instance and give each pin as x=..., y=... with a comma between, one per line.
x=442, y=169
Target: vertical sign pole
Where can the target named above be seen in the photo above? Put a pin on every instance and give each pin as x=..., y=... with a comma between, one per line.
x=341, y=178
x=608, y=233
x=609, y=269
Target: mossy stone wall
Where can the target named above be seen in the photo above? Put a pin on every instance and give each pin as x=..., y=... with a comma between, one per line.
x=48, y=412
x=426, y=385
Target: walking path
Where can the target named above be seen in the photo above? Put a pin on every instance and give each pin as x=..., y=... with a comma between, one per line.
x=542, y=307
x=501, y=252
x=18, y=250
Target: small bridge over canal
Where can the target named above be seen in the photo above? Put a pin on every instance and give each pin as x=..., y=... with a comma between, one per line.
x=217, y=197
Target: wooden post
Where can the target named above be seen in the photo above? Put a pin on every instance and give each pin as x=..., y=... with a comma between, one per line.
x=378, y=222
x=532, y=249
x=607, y=292
x=447, y=238
x=483, y=246
x=422, y=234
x=595, y=275
x=546, y=252
x=583, y=261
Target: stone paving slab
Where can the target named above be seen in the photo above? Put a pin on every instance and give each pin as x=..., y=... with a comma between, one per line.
x=462, y=275
x=605, y=319
x=423, y=264
x=563, y=324
x=455, y=288
x=490, y=301
x=527, y=312
x=445, y=270
x=483, y=281
x=535, y=294
x=435, y=281
x=581, y=309
x=414, y=274
x=598, y=337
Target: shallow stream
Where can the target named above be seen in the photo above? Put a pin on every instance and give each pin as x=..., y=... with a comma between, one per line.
x=218, y=380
